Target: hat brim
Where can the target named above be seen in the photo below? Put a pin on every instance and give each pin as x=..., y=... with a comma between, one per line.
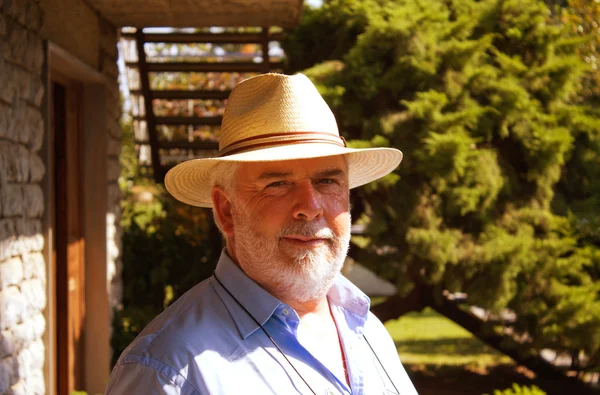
x=189, y=182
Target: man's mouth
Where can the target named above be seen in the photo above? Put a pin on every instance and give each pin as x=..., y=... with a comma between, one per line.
x=304, y=241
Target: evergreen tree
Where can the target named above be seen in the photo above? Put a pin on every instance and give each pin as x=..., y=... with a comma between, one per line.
x=484, y=99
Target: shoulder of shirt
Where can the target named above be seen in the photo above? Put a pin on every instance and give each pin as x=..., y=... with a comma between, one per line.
x=198, y=321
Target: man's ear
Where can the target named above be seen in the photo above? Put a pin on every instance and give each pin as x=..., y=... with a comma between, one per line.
x=222, y=209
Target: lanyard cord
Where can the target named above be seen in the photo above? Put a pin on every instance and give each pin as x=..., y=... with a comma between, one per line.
x=266, y=333
x=283, y=354
x=383, y=367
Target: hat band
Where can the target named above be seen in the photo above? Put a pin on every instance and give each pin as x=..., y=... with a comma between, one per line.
x=287, y=138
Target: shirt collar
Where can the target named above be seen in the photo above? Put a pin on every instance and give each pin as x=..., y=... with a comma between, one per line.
x=261, y=304
x=345, y=294
x=252, y=296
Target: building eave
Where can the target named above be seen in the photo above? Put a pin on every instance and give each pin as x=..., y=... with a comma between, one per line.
x=199, y=13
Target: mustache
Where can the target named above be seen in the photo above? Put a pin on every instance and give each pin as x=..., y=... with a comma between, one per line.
x=308, y=229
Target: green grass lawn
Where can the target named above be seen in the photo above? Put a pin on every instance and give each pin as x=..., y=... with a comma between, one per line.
x=427, y=338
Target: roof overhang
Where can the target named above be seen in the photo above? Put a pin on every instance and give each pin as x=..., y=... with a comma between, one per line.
x=200, y=13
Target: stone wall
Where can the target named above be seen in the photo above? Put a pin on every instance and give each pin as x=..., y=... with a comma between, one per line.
x=22, y=176
x=22, y=265
x=108, y=66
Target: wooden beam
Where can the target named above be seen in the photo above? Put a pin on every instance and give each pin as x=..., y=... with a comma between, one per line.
x=189, y=120
x=193, y=38
x=193, y=145
x=186, y=94
x=206, y=67
x=264, y=45
x=150, y=119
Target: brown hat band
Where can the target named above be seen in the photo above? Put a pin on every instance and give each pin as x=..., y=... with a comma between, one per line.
x=287, y=138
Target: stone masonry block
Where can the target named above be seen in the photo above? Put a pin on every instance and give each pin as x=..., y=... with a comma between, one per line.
x=37, y=169
x=21, y=236
x=8, y=373
x=37, y=350
x=17, y=125
x=11, y=272
x=36, y=92
x=14, y=162
x=13, y=306
x=34, y=55
x=29, y=236
x=8, y=238
x=35, y=295
x=28, y=227
x=26, y=333
x=33, y=199
x=16, y=10
x=24, y=366
x=12, y=199
x=7, y=344
x=23, y=333
x=23, y=82
x=2, y=25
x=7, y=231
x=36, y=128
x=35, y=383
x=39, y=325
x=20, y=388
x=6, y=112
x=30, y=359
x=34, y=266
x=4, y=48
x=34, y=16
x=8, y=93
x=17, y=41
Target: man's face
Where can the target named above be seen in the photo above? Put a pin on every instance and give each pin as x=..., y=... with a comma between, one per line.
x=291, y=224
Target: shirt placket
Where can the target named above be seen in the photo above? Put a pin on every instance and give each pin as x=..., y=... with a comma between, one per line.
x=289, y=323
x=353, y=352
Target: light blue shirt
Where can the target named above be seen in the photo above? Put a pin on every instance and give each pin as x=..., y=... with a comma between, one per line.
x=205, y=343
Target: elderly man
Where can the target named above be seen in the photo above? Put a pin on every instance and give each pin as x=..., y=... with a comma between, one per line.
x=277, y=317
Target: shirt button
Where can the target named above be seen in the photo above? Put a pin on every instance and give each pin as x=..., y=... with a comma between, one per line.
x=285, y=311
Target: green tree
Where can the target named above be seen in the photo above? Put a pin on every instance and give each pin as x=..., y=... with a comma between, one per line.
x=484, y=98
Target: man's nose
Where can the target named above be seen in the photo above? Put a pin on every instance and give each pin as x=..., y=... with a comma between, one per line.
x=308, y=204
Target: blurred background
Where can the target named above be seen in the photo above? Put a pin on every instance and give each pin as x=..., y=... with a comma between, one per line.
x=481, y=252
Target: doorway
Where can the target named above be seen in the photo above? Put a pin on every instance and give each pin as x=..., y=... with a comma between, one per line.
x=69, y=244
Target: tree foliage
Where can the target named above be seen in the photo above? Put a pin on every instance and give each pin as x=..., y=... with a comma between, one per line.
x=582, y=19
x=168, y=247
x=485, y=99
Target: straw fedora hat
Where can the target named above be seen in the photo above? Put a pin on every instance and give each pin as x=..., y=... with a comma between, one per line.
x=276, y=117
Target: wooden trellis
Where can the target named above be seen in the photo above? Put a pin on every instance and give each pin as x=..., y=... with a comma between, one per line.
x=164, y=153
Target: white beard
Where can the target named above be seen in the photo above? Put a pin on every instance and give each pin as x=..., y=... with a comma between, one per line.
x=290, y=273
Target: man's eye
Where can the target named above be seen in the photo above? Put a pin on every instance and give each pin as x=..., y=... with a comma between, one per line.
x=326, y=181
x=276, y=184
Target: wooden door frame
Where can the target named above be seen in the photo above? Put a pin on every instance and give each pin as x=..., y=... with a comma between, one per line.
x=62, y=65
x=68, y=222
